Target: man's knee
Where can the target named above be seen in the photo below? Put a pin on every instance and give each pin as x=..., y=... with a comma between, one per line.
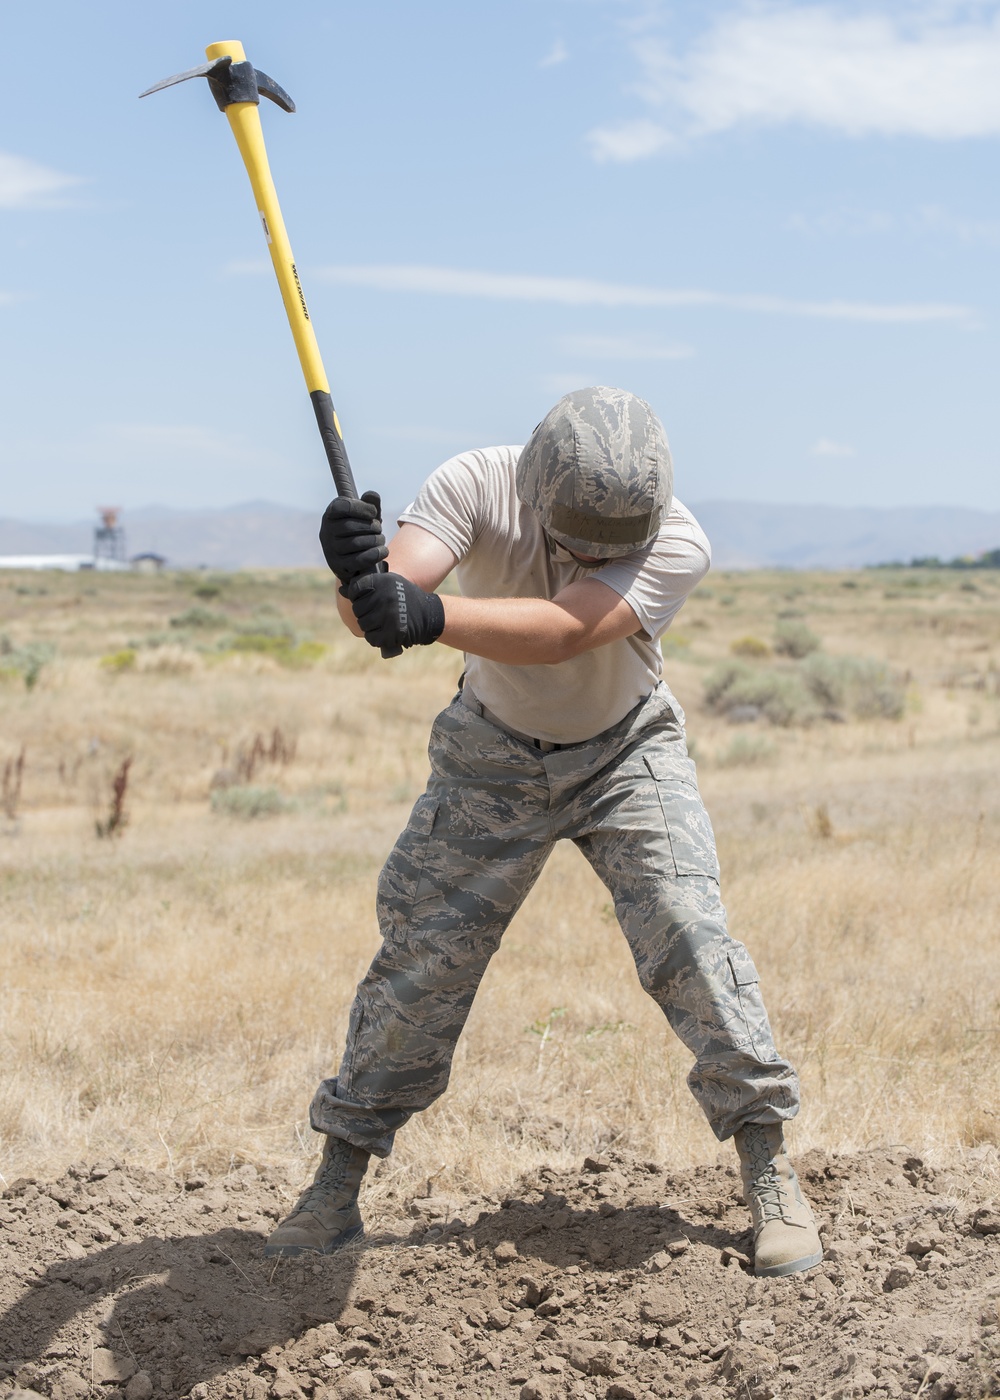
x=674, y=929
x=708, y=987
x=685, y=944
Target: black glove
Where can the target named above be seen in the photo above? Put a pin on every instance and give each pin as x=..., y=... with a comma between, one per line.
x=351, y=536
x=393, y=612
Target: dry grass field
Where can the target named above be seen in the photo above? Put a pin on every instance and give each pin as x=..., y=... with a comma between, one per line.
x=175, y=986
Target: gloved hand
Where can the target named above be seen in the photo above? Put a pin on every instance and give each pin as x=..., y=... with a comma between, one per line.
x=351, y=536
x=393, y=612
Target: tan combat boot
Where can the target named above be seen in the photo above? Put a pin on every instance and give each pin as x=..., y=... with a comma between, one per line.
x=785, y=1237
x=326, y=1215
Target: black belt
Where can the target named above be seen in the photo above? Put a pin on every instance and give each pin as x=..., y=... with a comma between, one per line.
x=471, y=702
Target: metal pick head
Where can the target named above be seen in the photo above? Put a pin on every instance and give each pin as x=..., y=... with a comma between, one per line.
x=202, y=71
x=267, y=87
x=231, y=82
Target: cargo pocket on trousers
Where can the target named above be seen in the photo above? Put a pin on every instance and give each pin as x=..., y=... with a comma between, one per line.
x=689, y=830
x=751, y=1003
x=402, y=879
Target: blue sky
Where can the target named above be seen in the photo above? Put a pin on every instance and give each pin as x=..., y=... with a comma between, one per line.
x=779, y=222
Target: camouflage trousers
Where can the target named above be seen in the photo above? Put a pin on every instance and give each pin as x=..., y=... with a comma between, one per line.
x=476, y=842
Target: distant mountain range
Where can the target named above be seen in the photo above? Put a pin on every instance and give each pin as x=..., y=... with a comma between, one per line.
x=744, y=535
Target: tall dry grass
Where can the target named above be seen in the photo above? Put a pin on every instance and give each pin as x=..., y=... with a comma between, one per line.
x=173, y=993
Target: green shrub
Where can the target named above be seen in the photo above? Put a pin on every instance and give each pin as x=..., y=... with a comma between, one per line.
x=285, y=650
x=793, y=638
x=265, y=642
x=270, y=634
x=675, y=644
x=118, y=661
x=267, y=622
x=154, y=640
x=751, y=647
x=747, y=692
x=25, y=662
x=746, y=751
x=864, y=687
x=304, y=654
x=198, y=617
x=822, y=687
x=247, y=803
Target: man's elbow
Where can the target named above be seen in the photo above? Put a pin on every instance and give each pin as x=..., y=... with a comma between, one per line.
x=570, y=644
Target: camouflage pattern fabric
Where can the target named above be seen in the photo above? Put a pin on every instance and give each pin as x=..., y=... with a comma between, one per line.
x=474, y=845
x=597, y=472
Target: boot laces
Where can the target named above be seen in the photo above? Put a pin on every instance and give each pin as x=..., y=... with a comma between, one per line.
x=767, y=1186
x=330, y=1178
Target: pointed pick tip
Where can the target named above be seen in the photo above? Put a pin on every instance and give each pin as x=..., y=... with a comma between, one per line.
x=202, y=71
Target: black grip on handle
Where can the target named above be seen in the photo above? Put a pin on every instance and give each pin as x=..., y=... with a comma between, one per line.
x=333, y=443
x=340, y=467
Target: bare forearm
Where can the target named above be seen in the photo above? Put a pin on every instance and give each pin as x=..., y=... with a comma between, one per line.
x=516, y=631
x=347, y=615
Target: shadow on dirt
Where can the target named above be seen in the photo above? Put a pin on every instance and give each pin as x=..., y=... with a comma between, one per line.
x=181, y=1309
x=190, y=1308
x=602, y=1239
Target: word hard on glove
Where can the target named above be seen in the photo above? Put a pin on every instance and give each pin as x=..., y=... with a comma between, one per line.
x=393, y=612
x=351, y=537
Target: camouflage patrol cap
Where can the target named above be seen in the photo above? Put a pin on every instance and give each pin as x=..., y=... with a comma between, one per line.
x=597, y=473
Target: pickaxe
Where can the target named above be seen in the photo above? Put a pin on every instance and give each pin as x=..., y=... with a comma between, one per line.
x=237, y=87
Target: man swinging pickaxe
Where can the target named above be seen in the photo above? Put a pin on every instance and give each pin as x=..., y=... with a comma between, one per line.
x=352, y=525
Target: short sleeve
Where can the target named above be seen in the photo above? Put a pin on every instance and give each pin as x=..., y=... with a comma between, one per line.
x=450, y=503
x=656, y=580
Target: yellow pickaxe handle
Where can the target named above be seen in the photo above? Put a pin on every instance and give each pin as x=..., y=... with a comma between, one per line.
x=236, y=86
x=244, y=119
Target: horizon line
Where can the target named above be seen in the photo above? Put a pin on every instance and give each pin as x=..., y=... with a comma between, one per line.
x=694, y=504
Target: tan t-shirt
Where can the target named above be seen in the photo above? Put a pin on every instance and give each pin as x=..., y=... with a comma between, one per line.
x=470, y=503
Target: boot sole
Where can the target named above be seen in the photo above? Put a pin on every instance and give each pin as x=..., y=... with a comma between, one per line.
x=294, y=1251
x=796, y=1266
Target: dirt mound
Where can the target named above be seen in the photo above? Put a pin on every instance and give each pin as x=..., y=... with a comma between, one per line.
x=615, y=1281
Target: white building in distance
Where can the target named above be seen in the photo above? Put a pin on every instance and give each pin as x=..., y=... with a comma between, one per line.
x=109, y=554
x=69, y=563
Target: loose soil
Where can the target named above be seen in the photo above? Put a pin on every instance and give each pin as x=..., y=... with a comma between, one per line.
x=614, y=1281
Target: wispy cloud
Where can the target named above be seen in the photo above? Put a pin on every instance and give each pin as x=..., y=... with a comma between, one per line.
x=844, y=223
x=556, y=55
x=27, y=185
x=825, y=447
x=928, y=70
x=966, y=230
x=619, y=347
x=581, y=291
x=931, y=219
x=633, y=140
